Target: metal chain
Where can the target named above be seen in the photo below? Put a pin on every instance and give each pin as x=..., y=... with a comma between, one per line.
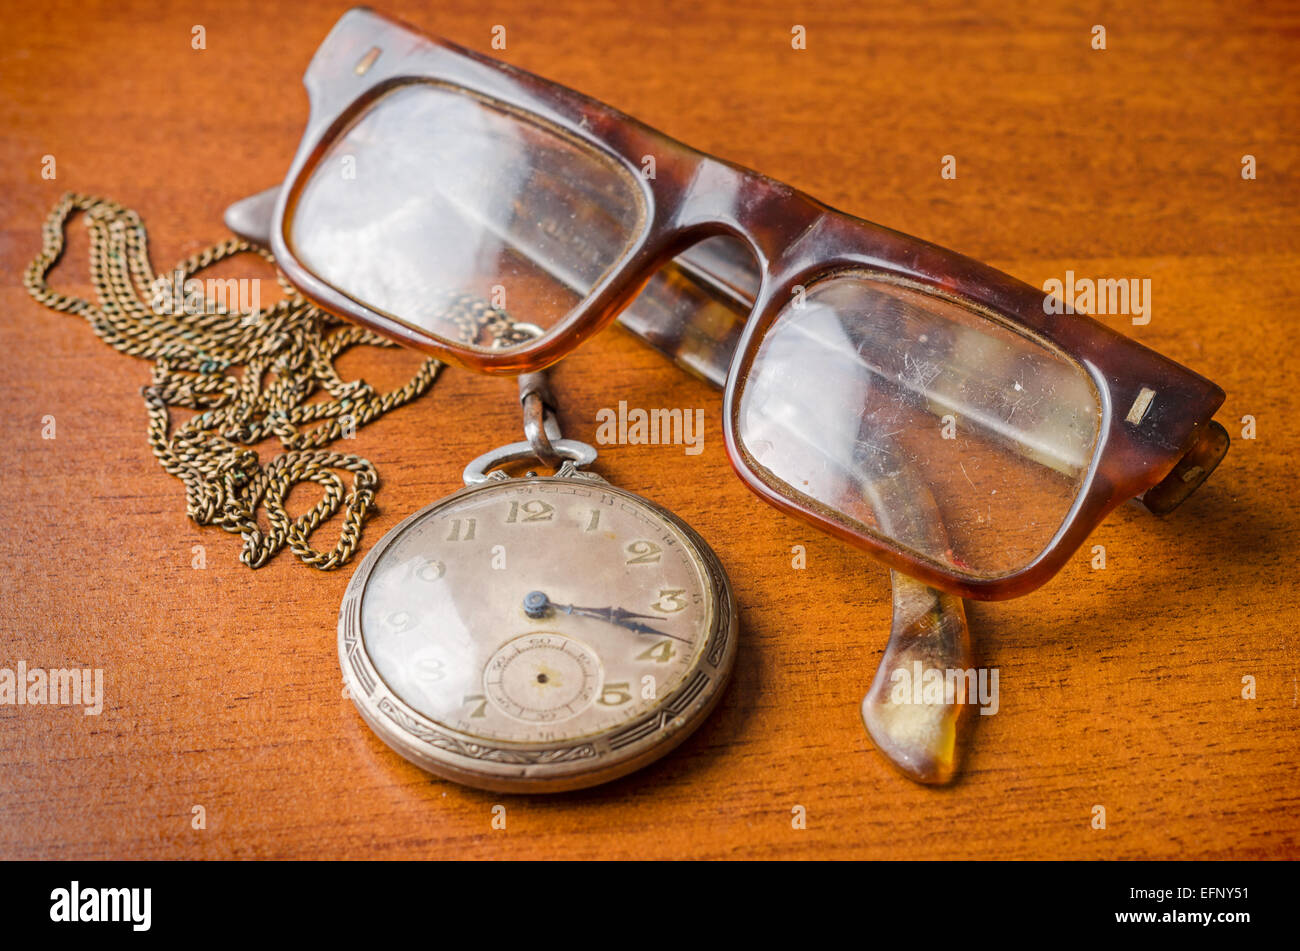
x=287, y=353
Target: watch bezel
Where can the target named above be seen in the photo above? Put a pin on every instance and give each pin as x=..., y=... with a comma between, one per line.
x=554, y=766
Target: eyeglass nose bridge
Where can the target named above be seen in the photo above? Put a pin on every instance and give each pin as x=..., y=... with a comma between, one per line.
x=776, y=224
x=768, y=216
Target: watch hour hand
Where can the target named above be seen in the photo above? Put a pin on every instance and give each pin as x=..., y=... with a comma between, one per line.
x=618, y=616
x=538, y=605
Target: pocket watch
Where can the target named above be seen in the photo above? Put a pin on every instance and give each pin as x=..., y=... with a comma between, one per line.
x=537, y=633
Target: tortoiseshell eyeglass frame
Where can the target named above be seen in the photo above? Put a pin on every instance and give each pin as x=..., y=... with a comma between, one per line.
x=796, y=241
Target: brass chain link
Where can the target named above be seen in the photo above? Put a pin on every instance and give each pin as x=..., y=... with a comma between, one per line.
x=287, y=352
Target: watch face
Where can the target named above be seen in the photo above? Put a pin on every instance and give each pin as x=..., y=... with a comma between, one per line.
x=558, y=621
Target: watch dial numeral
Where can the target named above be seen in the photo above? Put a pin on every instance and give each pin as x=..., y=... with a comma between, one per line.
x=644, y=553
x=431, y=571
x=534, y=510
x=615, y=695
x=594, y=522
x=670, y=601
x=462, y=529
x=477, y=698
x=428, y=666
x=400, y=621
x=660, y=653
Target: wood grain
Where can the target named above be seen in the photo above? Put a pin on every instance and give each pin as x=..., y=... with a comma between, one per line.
x=1119, y=687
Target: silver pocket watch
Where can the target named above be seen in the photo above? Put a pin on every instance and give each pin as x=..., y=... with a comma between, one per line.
x=537, y=633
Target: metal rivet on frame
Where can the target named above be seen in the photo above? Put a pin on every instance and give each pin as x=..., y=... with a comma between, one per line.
x=1140, y=406
x=367, y=61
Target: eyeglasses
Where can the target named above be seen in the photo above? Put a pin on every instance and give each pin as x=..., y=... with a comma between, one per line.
x=914, y=402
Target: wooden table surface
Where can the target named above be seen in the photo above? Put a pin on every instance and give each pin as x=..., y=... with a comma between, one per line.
x=1121, y=688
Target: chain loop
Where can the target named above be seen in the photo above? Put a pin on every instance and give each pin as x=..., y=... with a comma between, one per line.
x=287, y=352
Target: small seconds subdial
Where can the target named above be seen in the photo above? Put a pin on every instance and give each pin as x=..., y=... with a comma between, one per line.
x=542, y=677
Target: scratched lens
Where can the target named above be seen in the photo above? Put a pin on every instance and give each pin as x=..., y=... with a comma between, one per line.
x=447, y=213
x=926, y=423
